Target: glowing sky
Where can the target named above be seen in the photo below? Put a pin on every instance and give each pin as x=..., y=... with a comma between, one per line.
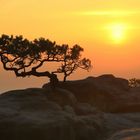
x=108, y=30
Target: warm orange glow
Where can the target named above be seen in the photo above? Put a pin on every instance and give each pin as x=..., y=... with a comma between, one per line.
x=96, y=25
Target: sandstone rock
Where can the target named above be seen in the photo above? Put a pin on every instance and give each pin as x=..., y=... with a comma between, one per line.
x=105, y=92
x=118, y=122
x=130, y=134
x=72, y=111
x=33, y=115
x=61, y=96
x=85, y=109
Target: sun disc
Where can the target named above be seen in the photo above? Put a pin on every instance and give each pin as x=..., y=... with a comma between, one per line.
x=117, y=32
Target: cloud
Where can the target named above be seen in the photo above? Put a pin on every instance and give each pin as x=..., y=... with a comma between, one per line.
x=109, y=13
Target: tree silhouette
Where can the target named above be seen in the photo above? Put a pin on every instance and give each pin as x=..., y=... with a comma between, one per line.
x=134, y=82
x=73, y=61
x=26, y=57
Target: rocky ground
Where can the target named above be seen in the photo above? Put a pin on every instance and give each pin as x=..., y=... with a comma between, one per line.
x=101, y=108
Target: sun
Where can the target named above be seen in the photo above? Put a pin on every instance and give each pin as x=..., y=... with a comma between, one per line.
x=117, y=32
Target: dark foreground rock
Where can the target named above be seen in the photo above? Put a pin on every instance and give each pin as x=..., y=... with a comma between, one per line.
x=130, y=134
x=37, y=114
x=102, y=108
x=115, y=123
x=107, y=92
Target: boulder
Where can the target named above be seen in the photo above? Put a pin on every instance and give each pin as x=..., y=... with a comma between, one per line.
x=105, y=92
x=35, y=114
x=61, y=96
x=114, y=123
x=130, y=134
x=72, y=111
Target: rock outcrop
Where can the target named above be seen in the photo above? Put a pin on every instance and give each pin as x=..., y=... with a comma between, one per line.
x=130, y=134
x=105, y=92
x=99, y=108
x=43, y=114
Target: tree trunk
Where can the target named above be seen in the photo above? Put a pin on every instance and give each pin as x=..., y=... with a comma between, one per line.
x=65, y=77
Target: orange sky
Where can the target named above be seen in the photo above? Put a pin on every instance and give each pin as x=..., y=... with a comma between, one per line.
x=108, y=30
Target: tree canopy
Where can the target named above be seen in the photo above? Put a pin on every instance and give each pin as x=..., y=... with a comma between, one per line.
x=26, y=57
x=134, y=82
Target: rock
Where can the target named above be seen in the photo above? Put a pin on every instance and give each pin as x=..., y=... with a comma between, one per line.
x=69, y=110
x=32, y=114
x=110, y=80
x=118, y=122
x=72, y=111
x=127, y=107
x=85, y=109
x=130, y=134
x=29, y=99
x=105, y=92
x=61, y=96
